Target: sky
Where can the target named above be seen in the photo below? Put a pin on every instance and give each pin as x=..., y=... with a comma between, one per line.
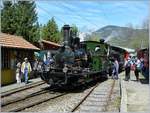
x=91, y=15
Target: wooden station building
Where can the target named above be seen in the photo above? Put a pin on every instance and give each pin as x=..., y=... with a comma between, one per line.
x=13, y=49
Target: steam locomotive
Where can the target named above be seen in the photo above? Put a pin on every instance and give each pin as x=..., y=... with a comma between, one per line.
x=77, y=63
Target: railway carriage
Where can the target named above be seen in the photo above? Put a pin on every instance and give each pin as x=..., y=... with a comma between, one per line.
x=144, y=54
x=120, y=54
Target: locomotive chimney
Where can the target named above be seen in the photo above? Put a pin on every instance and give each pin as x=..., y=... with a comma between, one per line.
x=66, y=34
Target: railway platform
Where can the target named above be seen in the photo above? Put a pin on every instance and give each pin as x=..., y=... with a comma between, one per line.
x=135, y=95
x=20, y=85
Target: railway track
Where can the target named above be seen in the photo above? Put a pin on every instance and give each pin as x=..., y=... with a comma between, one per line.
x=29, y=102
x=96, y=100
x=10, y=101
x=28, y=86
x=22, y=93
x=20, y=99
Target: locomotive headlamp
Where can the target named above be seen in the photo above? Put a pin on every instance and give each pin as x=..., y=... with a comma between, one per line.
x=97, y=48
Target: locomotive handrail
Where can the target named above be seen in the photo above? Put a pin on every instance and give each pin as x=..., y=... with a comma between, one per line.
x=60, y=69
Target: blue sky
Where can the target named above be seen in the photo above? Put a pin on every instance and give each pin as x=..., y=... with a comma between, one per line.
x=92, y=15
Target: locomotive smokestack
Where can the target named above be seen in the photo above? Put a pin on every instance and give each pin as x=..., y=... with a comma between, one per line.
x=66, y=34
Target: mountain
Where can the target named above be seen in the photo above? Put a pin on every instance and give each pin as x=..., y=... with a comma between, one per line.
x=121, y=36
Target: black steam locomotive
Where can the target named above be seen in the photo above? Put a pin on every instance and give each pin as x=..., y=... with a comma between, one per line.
x=77, y=63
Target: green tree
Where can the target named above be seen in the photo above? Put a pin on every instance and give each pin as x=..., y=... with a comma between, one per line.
x=50, y=31
x=74, y=30
x=145, y=23
x=7, y=18
x=20, y=19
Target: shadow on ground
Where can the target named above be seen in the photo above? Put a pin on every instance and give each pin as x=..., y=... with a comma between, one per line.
x=71, y=89
x=144, y=81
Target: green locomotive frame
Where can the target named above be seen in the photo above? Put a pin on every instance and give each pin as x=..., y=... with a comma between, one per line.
x=100, y=58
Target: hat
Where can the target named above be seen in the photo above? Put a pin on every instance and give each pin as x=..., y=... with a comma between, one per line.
x=26, y=58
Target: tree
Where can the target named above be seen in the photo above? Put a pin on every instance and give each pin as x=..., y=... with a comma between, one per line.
x=7, y=17
x=92, y=37
x=20, y=19
x=74, y=30
x=145, y=24
x=50, y=31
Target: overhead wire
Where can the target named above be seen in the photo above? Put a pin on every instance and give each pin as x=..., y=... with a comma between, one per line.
x=105, y=15
x=50, y=14
x=81, y=16
x=65, y=12
x=71, y=10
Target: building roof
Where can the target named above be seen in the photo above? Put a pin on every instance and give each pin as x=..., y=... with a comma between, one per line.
x=51, y=43
x=12, y=41
x=126, y=49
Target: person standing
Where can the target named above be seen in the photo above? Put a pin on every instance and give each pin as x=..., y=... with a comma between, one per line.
x=116, y=68
x=137, y=69
x=35, y=66
x=18, y=72
x=127, y=66
x=26, y=69
x=110, y=67
x=113, y=69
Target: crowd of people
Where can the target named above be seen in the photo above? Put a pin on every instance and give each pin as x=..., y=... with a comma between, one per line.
x=134, y=64
x=24, y=69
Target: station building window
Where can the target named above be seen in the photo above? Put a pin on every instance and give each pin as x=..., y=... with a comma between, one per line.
x=5, y=59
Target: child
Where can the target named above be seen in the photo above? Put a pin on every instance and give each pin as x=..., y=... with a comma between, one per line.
x=18, y=72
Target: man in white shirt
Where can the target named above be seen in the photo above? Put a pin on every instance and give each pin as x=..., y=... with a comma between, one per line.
x=137, y=69
x=127, y=66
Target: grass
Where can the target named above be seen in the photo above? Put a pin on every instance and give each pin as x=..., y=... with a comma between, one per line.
x=117, y=101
